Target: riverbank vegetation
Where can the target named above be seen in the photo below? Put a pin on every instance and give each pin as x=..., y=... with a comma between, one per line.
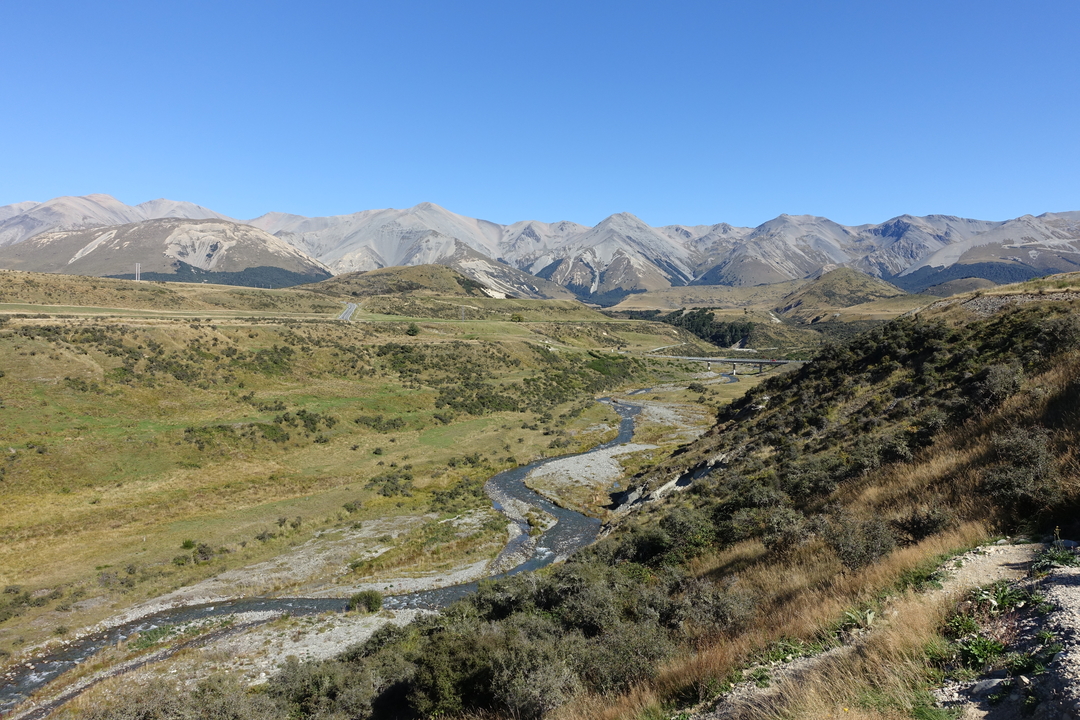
x=144, y=453
x=824, y=497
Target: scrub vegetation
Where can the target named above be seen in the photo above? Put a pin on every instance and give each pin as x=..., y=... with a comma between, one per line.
x=143, y=453
x=823, y=501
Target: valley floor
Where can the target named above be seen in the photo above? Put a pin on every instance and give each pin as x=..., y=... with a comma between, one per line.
x=253, y=645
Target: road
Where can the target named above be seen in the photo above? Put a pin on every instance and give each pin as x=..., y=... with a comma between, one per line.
x=346, y=314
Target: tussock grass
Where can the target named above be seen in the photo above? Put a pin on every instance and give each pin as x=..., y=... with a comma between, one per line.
x=805, y=599
x=804, y=596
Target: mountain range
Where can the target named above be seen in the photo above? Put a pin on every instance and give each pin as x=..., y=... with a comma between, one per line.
x=99, y=235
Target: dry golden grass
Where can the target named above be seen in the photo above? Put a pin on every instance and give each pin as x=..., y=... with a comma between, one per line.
x=881, y=677
x=801, y=599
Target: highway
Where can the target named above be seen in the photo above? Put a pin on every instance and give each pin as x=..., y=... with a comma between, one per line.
x=346, y=314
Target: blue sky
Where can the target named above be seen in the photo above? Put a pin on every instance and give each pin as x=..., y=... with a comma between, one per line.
x=680, y=112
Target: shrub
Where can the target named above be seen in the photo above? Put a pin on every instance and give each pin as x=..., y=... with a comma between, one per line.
x=452, y=675
x=858, y=544
x=320, y=689
x=924, y=521
x=785, y=531
x=643, y=545
x=367, y=600
x=627, y=655
x=994, y=384
x=1054, y=557
x=712, y=609
x=393, y=482
x=927, y=426
x=896, y=449
x=215, y=698
x=1024, y=480
x=532, y=668
x=590, y=609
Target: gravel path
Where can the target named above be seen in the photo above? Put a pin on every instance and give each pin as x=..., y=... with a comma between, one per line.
x=1063, y=590
x=1058, y=689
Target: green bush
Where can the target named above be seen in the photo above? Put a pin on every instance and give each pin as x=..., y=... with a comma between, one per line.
x=391, y=483
x=215, y=698
x=329, y=688
x=367, y=600
x=1054, y=557
x=922, y=522
x=995, y=384
x=453, y=674
x=712, y=609
x=691, y=532
x=786, y=530
x=858, y=544
x=627, y=655
x=1024, y=479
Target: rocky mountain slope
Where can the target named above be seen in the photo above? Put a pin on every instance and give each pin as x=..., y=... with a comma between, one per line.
x=22, y=221
x=168, y=249
x=622, y=254
x=1013, y=250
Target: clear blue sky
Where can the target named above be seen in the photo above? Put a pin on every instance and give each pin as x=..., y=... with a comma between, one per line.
x=679, y=112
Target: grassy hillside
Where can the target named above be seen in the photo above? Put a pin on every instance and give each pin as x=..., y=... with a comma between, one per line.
x=820, y=498
x=475, y=308
x=414, y=281
x=838, y=290
x=709, y=296
x=78, y=295
x=957, y=287
x=790, y=320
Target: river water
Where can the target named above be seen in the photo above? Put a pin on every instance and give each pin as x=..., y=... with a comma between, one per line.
x=571, y=531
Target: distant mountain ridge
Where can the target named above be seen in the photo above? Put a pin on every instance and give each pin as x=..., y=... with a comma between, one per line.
x=209, y=249
x=621, y=254
x=22, y=221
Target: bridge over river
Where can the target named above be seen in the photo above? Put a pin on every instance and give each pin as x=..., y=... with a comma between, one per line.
x=761, y=363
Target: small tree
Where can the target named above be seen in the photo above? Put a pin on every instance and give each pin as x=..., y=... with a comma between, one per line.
x=413, y=330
